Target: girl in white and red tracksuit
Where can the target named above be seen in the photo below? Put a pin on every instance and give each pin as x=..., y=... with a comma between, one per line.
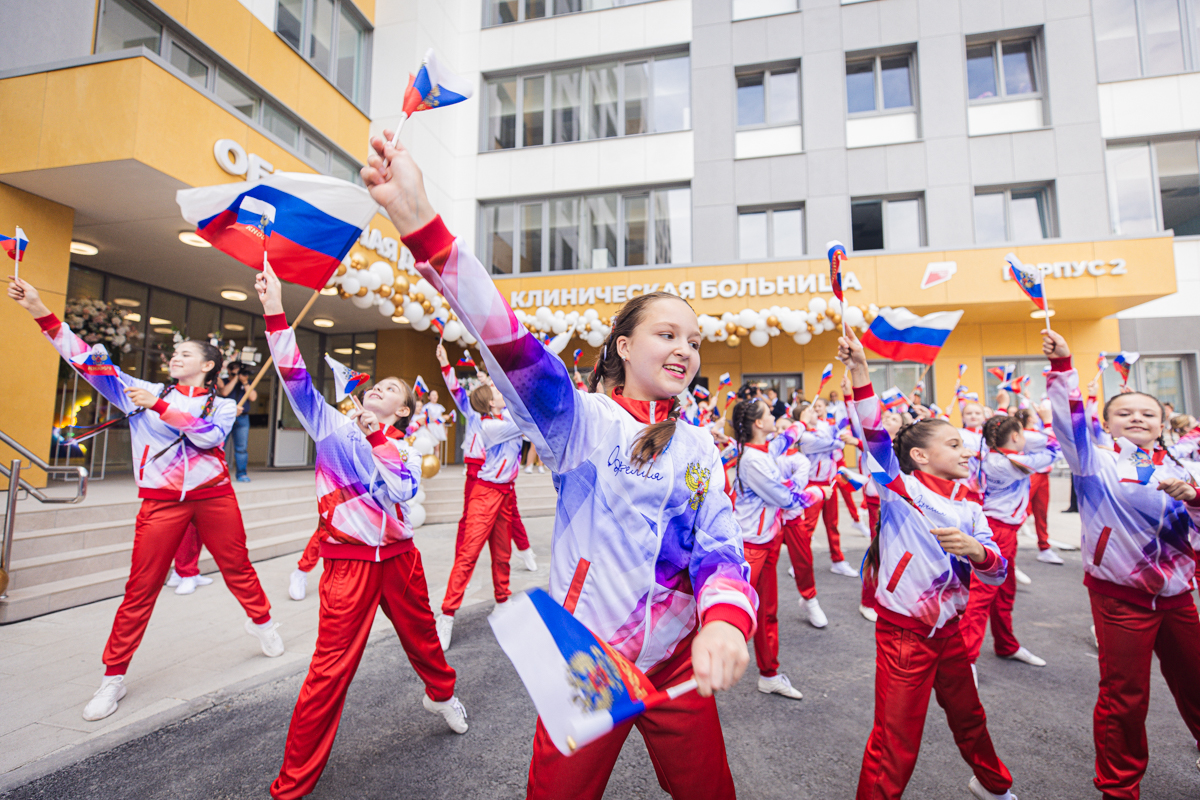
x=177, y=432
x=931, y=548
x=364, y=483
x=646, y=552
x=972, y=435
x=762, y=494
x=1039, y=487
x=1011, y=455
x=1139, y=512
x=819, y=447
x=491, y=508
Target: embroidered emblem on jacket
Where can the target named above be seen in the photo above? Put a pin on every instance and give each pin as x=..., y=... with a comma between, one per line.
x=697, y=481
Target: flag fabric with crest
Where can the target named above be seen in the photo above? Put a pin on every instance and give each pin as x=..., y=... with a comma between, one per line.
x=345, y=380
x=434, y=86
x=575, y=357
x=701, y=392
x=837, y=254
x=1136, y=465
x=15, y=245
x=95, y=362
x=1029, y=278
x=419, y=386
x=856, y=480
x=308, y=222
x=1122, y=362
x=725, y=379
x=894, y=399
x=900, y=335
x=466, y=360
x=582, y=687
x=826, y=374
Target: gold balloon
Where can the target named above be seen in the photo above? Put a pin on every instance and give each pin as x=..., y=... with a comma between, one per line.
x=731, y=327
x=362, y=291
x=430, y=466
x=342, y=293
x=821, y=317
x=811, y=329
x=427, y=306
x=837, y=318
x=385, y=291
x=341, y=270
x=772, y=321
x=347, y=405
x=412, y=440
x=740, y=331
x=401, y=284
x=733, y=341
x=418, y=297
x=358, y=261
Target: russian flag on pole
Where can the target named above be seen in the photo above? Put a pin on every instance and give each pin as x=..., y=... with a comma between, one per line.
x=576, y=355
x=95, y=362
x=856, y=480
x=725, y=379
x=1028, y=278
x=466, y=360
x=893, y=398
x=837, y=254
x=434, y=86
x=1123, y=362
x=900, y=335
x=581, y=687
x=700, y=391
x=345, y=380
x=826, y=374
x=15, y=245
x=419, y=386
x=305, y=223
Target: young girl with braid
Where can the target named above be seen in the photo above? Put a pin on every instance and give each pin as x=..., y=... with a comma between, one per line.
x=761, y=495
x=177, y=431
x=646, y=552
x=932, y=545
x=1138, y=510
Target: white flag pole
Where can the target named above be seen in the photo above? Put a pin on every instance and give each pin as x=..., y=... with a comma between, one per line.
x=17, y=269
x=395, y=140
x=1045, y=299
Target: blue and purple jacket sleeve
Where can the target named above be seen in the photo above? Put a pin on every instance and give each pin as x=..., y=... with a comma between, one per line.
x=400, y=479
x=205, y=433
x=784, y=441
x=112, y=387
x=317, y=416
x=866, y=419
x=1069, y=417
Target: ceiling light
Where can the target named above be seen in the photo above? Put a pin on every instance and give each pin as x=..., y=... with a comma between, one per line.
x=84, y=249
x=159, y=321
x=344, y=351
x=329, y=291
x=1039, y=314
x=164, y=330
x=127, y=302
x=233, y=326
x=400, y=320
x=193, y=238
x=320, y=322
x=133, y=316
x=234, y=295
x=367, y=345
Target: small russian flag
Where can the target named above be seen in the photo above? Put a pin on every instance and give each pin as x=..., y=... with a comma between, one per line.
x=419, y=386
x=725, y=379
x=1028, y=278
x=919, y=389
x=1046, y=370
x=95, y=362
x=345, y=380
x=576, y=355
x=434, y=86
x=582, y=687
x=962, y=370
x=466, y=360
x=1102, y=362
x=701, y=392
x=837, y=254
x=826, y=374
x=729, y=398
x=1123, y=362
x=15, y=245
x=900, y=335
x=438, y=326
x=856, y=480
x=893, y=398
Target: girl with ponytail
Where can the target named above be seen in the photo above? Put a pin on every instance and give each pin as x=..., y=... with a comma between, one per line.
x=1139, y=511
x=763, y=494
x=646, y=551
x=177, y=431
x=932, y=545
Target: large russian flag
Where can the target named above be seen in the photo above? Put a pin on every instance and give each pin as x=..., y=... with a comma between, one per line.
x=316, y=220
x=581, y=687
x=900, y=335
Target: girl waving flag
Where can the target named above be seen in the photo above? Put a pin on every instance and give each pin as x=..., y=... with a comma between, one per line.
x=646, y=551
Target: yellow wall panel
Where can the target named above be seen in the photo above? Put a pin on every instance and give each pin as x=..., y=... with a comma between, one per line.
x=22, y=104
x=91, y=114
x=319, y=102
x=353, y=131
x=176, y=8
x=367, y=8
x=277, y=67
x=224, y=25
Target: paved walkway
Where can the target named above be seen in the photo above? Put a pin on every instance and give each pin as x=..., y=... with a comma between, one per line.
x=195, y=653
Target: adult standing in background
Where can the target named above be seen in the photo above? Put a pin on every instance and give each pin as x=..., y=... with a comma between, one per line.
x=778, y=407
x=235, y=387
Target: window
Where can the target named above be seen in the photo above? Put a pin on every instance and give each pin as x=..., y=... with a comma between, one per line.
x=503, y=12
x=123, y=26
x=770, y=233
x=749, y=9
x=882, y=83
x=892, y=224
x=192, y=68
x=904, y=376
x=344, y=168
x=768, y=97
x=1011, y=215
x=1002, y=70
x=331, y=37
x=281, y=125
x=1142, y=38
x=597, y=231
x=1036, y=388
x=1155, y=186
x=599, y=101
x=233, y=92
x=314, y=153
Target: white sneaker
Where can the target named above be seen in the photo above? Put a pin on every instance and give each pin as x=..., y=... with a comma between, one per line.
x=1095, y=638
x=862, y=528
x=869, y=614
x=1022, y=578
x=812, y=610
x=529, y=470
x=842, y=568
x=186, y=586
x=451, y=710
x=792, y=571
x=977, y=791
x=104, y=701
x=779, y=684
x=1049, y=557
x=975, y=675
x=541, y=469
x=203, y=580
x=298, y=584
x=445, y=626
x=529, y=558
x=173, y=578
x=268, y=638
x=1027, y=657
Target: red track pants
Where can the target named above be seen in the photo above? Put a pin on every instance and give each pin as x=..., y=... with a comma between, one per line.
x=1128, y=634
x=312, y=552
x=829, y=515
x=489, y=513
x=683, y=737
x=1039, y=504
x=187, y=555
x=350, y=592
x=797, y=535
x=520, y=538
x=994, y=602
x=907, y=666
x=764, y=560
x=869, y=583
x=158, y=531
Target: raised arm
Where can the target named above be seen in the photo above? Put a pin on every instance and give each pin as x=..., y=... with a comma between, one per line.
x=1068, y=412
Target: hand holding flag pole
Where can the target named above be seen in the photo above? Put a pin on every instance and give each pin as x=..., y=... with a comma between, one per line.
x=432, y=87
x=15, y=247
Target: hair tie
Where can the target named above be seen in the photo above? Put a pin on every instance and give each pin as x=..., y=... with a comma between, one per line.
x=604, y=352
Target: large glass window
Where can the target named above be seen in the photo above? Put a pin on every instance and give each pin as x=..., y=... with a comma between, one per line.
x=903, y=375
x=1155, y=186
x=882, y=83
x=350, y=56
x=770, y=233
x=1163, y=378
x=1142, y=38
x=1011, y=215
x=598, y=231
x=329, y=34
x=1002, y=70
x=768, y=97
x=235, y=93
x=594, y=102
x=123, y=26
x=504, y=12
x=192, y=68
x=281, y=125
x=891, y=224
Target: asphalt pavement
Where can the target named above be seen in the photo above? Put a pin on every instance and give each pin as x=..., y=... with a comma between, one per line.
x=389, y=747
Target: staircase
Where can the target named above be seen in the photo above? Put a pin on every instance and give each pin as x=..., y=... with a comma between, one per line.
x=66, y=556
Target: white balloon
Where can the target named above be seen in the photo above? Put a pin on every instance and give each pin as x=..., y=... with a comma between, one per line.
x=727, y=317
x=419, y=323
x=558, y=324
x=811, y=318
x=372, y=281
x=416, y=515
x=595, y=338
x=591, y=315
x=544, y=314
x=791, y=321
x=350, y=285
x=467, y=338
x=334, y=280
x=747, y=318
x=817, y=305
x=419, y=497
x=384, y=271
x=828, y=324
x=386, y=307
x=802, y=337
x=366, y=301
x=453, y=331
x=853, y=316
x=426, y=288
x=759, y=338
x=413, y=310
x=424, y=445
x=442, y=313
x=835, y=306
x=760, y=324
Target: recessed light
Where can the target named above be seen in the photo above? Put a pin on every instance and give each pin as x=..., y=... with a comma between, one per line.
x=84, y=249
x=1039, y=314
x=127, y=302
x=329, y=291
x=400, y=319
x=323, y=323
x=234, y=295
x=233, y=326
x=159, y=321
x=343, y=351
x=164, y=330
x=367, y=345
x=133, y=316
x=193, y=238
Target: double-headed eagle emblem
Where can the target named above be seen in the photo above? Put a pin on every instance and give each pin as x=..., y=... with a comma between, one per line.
x=697, y=482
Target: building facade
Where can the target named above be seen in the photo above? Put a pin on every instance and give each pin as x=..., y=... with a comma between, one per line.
x=710, y=147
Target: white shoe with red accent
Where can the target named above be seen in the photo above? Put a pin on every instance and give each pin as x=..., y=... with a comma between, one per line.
x=977, y=791
x=451, y=710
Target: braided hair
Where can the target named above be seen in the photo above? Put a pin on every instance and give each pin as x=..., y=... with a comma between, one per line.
x=1163, y=411
x=609, y=372
x=914, y=435
x=745, y=414
x=999, y=429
